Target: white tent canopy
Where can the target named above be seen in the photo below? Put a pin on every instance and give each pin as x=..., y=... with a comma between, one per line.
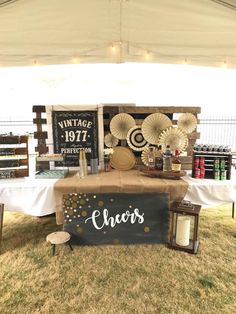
x=198, y=32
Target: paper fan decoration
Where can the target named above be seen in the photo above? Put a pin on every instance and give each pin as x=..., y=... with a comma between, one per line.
x=122, y=158
x=174, y=137
x=110, y=140
x=120, y=125
x=187, y=122
x=135, y=139
x=144, y=156
x=153, y=125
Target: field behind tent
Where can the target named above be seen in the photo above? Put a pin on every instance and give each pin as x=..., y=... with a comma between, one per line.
x=117, y=279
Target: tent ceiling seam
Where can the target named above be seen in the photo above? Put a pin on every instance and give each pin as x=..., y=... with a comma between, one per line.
x=225, y=4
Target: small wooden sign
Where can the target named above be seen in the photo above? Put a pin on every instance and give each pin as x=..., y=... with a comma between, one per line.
x=73, y=131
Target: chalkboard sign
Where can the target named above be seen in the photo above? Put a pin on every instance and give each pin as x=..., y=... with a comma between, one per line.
x=116, y=218
x=73, y=131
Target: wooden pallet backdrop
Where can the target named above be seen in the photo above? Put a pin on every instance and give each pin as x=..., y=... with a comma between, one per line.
x=140, y=113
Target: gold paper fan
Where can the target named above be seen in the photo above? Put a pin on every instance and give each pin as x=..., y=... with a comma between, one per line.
x=153, y=125
x=110, y=140
x=174, y=137
x=122, y=158
x=120, y=125
x=144, y=156
x=187, y=122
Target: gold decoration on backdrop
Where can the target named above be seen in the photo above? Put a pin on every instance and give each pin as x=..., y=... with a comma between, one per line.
x=152, y=126
x=175, y=138
x=110, y=140
x=122, y=158
x=187, y=122
x=120, y=125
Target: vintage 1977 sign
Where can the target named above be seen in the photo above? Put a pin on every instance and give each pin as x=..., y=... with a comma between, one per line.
x=73, y=131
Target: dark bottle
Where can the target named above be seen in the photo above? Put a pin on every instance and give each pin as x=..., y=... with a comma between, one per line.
x=159, y=159
x=151, y=158
x=167, y=159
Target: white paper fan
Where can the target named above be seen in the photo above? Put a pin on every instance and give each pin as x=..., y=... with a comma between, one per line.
x=175, y=137
x=120, y=125
x=110, y=140
x=144, y=156
x=187, y=122
x=153, y=125
x=135, y=139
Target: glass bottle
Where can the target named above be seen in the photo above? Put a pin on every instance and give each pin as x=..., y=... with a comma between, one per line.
x=167, y=159
x=151, y=158
x=159, y=159
x=176, y=163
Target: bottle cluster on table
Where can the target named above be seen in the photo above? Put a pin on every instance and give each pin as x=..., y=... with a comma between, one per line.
x=163, y=161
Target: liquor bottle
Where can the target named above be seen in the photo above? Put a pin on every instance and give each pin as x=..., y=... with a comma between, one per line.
x=167, y=159
x=159, y=159
x=151, y=158
x=176, y=163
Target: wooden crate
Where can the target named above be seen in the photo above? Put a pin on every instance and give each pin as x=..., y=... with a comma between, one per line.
x=209, y=160
x=16, y=158
x=140, y=113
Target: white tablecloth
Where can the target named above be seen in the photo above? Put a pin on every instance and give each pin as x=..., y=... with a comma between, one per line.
x=36, y=196
x=209, y=192
x=28, y=195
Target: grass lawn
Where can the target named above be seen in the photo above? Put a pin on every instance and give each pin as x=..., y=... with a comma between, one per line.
x=117, y=279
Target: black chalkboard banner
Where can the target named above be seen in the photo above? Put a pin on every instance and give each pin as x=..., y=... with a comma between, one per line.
x=73, y=131
x=116, y=218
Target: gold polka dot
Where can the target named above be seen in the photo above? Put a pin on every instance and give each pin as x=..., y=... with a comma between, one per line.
x=67, y=203
x=94, y=196
x=146, y=229
x=84, y=213
x=74, y=205
x=74, y=198
x=112, y=200
x=71, y=212
x=116, y=241
x=130, y=206
x=100, y=203
x=82, y=201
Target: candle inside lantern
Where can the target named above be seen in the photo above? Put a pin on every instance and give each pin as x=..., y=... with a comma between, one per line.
x=183, y=231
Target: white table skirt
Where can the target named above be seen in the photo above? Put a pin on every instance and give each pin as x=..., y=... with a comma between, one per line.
x=36, y=196
x=28, y=195
x=209, y=192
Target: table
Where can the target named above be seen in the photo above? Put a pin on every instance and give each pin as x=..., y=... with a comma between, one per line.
x=210, y=192
x=28, y=195
x=36, y=197
x=132, y=181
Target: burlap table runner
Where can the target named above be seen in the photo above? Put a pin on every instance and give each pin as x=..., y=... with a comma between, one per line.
x=132, y=181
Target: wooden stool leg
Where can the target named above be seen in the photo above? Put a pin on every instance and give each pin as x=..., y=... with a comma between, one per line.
x=1, y=224
x=53, y=249
x=70, y=246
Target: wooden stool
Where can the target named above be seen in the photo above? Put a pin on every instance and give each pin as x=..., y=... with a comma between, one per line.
x=58, y=237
